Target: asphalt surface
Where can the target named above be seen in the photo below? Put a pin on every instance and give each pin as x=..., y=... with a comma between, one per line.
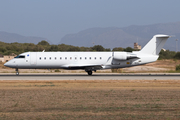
x=95, y=76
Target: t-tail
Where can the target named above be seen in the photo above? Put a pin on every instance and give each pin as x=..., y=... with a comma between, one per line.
x=155, y=45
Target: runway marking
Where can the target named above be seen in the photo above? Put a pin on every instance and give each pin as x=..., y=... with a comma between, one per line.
x=96, y=76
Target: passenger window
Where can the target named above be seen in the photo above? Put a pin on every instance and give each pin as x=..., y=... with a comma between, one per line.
x=80, y=58
x=55, y=58
x=40, y=58
x=60, y=58
x=45, y=58
x=70, y=58
x=95, y=58
x=100, y=58
x=85, y=58
x=75, y=58
x=50, y=58
x=90, y=58
x=65, y=57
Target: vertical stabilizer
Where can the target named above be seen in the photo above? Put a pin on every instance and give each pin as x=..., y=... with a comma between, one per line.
x=155, y=45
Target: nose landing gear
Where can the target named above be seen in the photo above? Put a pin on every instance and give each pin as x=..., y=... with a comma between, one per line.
x=17, y=72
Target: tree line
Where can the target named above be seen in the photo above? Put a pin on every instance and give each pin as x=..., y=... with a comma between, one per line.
x=17, y=48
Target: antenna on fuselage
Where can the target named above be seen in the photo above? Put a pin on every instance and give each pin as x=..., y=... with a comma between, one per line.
x=43, y=51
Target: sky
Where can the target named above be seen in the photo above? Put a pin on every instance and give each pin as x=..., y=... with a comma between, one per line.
x=53, y=19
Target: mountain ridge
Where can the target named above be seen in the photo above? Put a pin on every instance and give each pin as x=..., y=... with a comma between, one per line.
x=111, y=37
x=14, y=37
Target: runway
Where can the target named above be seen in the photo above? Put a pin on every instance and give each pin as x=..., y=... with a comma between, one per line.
x=95, y=76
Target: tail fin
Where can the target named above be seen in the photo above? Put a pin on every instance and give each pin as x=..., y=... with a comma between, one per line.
x=155, y=45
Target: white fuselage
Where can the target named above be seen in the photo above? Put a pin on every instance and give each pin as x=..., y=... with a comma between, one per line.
x=78, y=60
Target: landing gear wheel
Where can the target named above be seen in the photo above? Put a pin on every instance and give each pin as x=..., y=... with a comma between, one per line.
x=89, y=72
x=17, y=72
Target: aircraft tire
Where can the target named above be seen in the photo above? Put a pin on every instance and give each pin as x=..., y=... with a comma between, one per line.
x=89, y=72
x=17, y=73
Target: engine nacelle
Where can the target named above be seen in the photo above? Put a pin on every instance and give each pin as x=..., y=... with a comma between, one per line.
x=120, y=55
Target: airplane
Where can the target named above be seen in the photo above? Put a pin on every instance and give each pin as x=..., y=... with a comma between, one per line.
x=89, y=61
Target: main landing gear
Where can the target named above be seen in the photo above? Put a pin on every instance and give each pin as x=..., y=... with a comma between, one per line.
x=17, y=72
x=89, y=72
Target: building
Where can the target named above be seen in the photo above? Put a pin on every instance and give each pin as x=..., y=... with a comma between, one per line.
x=163, y=49
x=137, y=47
x=6, y=58
x=1, y=58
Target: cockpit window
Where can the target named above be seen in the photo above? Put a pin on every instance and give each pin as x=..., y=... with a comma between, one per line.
x=20, y=56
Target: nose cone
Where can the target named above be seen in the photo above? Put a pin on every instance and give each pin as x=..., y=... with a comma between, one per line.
x=9, y=64
x=6, y=64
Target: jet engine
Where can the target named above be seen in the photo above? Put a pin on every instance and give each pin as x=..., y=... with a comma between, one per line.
x=123, y=56
x=120, y=55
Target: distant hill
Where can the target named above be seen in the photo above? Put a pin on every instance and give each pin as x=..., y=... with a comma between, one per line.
x=109, y=37
x=123, y=37
x=13, y=37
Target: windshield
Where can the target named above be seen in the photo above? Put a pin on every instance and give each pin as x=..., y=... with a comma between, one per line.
x=20, y=56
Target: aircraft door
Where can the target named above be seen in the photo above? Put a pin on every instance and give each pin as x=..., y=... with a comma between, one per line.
x=33, y=58
x=27, y=59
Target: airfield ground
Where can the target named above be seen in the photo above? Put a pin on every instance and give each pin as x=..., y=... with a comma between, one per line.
x=93, y=99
